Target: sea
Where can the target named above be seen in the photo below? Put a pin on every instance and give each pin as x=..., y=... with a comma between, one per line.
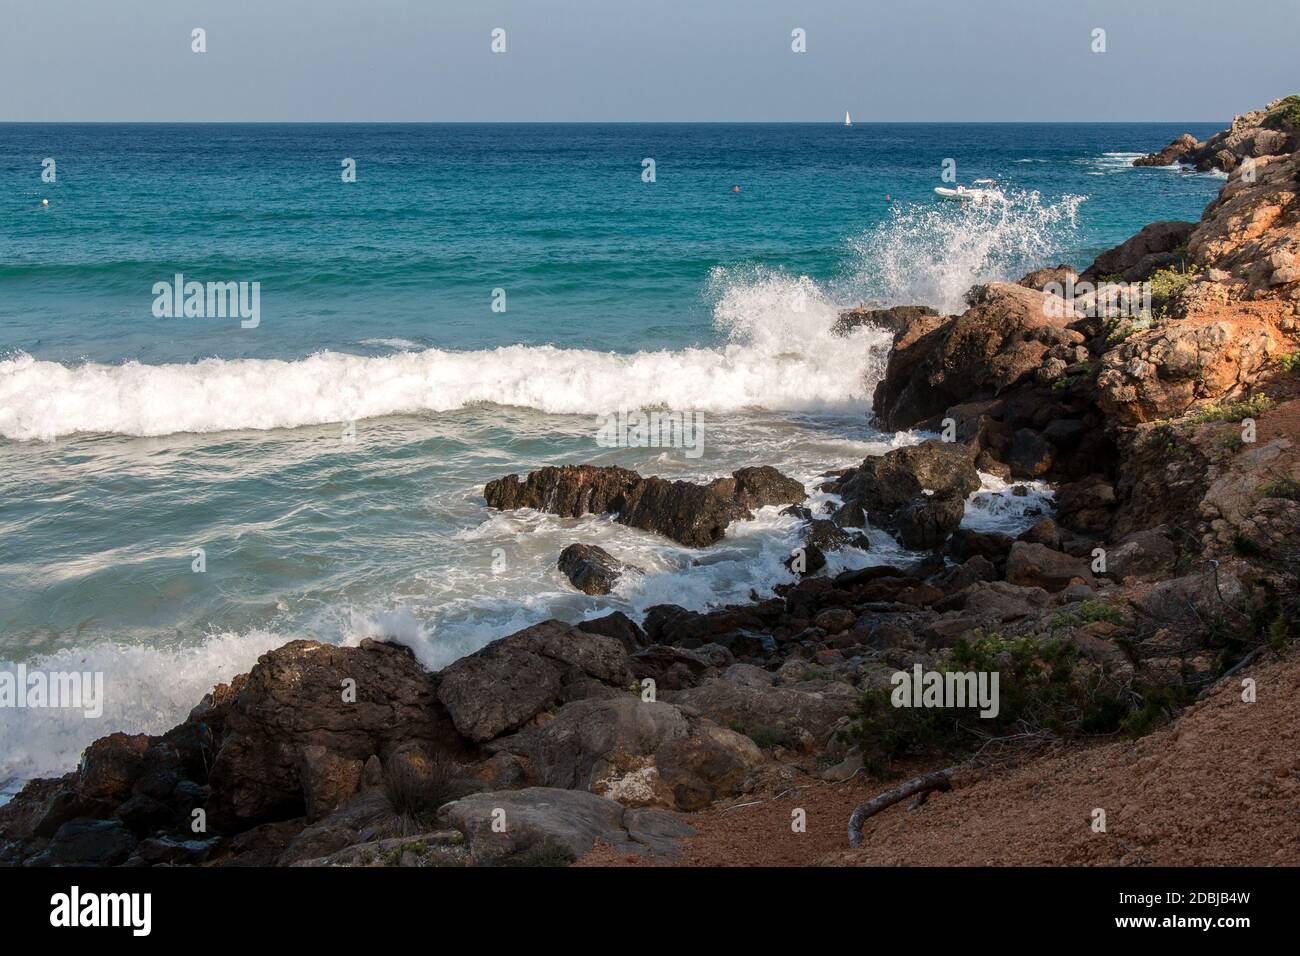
x=436, y=306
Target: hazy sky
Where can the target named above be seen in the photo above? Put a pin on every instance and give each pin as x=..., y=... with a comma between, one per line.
x=428, y=60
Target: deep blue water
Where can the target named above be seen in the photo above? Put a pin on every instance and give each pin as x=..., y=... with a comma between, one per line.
x=440, y=215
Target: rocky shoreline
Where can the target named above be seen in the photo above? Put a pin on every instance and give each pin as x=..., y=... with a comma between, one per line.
x=1170, y=439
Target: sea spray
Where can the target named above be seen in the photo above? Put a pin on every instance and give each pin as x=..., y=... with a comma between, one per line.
x=931, y=254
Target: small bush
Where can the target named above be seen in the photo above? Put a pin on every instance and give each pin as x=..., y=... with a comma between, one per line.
x=1088, y=612
x=1168, y=283
x=1290, y=362
x=1285, y=113
x=1251, y=408
x=1246, y=547
x=1158, y=704
x=416, y=784
x=1287, y=488
x=1041, y=689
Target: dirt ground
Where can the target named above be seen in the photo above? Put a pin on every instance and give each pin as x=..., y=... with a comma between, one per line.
x=1219, y=786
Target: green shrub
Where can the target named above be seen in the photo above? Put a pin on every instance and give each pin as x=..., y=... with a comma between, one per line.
x=1287, y=488
x=1088, y=612
x=416, y=786
x=1246, y=547
x=1285, y=113
x=1041, y=689
x=1167, y=283
x=1157, y=705
x=1251, y=408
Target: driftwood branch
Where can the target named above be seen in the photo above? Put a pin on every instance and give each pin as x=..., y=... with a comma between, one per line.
x=938, y=780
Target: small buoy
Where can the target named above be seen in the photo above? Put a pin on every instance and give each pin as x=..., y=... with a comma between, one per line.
x=735, y=189
x=888, y=198
x=45, y=202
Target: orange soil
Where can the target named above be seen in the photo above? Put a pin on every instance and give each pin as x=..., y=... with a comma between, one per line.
x=1220, y=786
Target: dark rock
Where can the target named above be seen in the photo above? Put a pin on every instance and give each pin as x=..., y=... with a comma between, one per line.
x=672, y=668
x=144, y=814
x=759, y=487
x=927, y=521
x=894, y=320
x=891, y=481
x=84, y=842
x=591, y=569
x=111, y=765
x=294, y=699
x=994, y=546
x=1030, y=455
x=618, y=626
x=159, y=850
x=694, y=515
x=1045, y=532
x=1087, y=505
x=1034, y=565
x=511, y=680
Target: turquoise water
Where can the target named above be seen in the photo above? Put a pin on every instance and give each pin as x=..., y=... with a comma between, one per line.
x=329, y=462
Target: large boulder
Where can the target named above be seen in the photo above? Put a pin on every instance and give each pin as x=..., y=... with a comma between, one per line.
x=547, y=825
x=85, y=842
x=297, y=732
x=764, y=710
x=1037, y=566
x=759, y=487
x=996, y=343
x=881, y=485
x=511, y=680
x=640, y=753
x=1162, y=372
x=596, y=744
x=927, y=520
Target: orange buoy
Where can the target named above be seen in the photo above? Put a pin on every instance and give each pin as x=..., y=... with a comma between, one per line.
x=735, y=189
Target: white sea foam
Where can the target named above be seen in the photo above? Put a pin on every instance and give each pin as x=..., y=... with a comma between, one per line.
x=146, y=690
x=781, y=356
x=780, y=353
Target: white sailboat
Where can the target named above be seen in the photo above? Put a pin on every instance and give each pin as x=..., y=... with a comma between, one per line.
x=848, y=121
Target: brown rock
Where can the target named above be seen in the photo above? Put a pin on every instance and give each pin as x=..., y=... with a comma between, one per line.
x=1033, y=565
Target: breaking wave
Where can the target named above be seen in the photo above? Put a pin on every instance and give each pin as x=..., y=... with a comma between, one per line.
x=930, y=254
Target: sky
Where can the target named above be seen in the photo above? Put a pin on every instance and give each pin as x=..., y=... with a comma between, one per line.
x=652, y=60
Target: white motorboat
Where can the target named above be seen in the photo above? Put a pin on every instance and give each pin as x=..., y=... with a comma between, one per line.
x=981, y=190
